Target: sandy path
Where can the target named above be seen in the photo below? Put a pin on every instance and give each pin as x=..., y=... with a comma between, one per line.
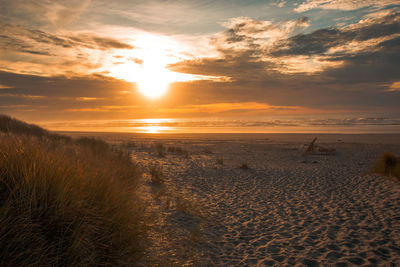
x=285, y=212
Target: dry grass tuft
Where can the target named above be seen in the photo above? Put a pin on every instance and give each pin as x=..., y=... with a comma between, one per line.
x=178, y=150
x=156, y=174
x=67, y=204
x=388, y=164
x=160, y=149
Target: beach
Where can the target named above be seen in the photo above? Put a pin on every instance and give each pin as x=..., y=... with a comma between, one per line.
x=200, y=133
x=255, y=200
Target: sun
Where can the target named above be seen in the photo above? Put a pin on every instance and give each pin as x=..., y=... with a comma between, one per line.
x=153, y=82
x=146, y=66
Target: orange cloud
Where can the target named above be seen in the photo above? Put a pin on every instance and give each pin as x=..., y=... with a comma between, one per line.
x=242, y=108
x=115, y=108
x=84, y=98
x=394, y=87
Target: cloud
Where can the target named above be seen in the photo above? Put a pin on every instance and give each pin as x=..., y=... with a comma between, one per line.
x=32, y=51
x=243, y=48
x=10, y=107
x=367, y=34
x=136, y=60
x=50, y=96
x=22, y=96
x=244, y=32
x=5, y=86
x=57, y=13
x=241, y=106
x=226, y=109
x=85, y=98
x=342, y=68
x=343, y=4
x=250, y=48
x=22, y=39
x=83, y=87
x=280, y=3
x=394, y=87
x=93, y=41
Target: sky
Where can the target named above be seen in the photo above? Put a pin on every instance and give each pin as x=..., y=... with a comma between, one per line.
x=263, y=64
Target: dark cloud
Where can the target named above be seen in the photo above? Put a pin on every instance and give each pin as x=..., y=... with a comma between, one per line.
x=320, y=41
x=61, y=86
x=96, y=42
x=354, y=77
x=378, y=66
x=14, y=43
x=53, y=97
x=308, y=44
x=42, y=53
x=238, y=66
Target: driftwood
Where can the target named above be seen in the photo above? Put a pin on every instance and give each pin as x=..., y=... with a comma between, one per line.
x=310, y=147
x=314, y=149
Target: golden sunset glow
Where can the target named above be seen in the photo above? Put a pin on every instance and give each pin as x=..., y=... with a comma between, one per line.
x=146, y=65
x=153, y=126
x=291, y=62
x=153, y=129
x=132, y=125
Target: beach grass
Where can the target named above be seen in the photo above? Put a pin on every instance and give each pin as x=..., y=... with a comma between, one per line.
x=66, y=202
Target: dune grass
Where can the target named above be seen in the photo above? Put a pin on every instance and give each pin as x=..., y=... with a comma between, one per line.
x=66, y=202
x=161, y=150
x=388, y=164
x=14, y=126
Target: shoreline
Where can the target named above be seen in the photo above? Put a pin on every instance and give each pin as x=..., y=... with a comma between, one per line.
x=387, y=138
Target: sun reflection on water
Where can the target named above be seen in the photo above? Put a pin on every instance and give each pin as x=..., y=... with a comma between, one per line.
x=154, y=126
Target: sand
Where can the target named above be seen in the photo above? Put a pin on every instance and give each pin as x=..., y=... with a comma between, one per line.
x=284, y=210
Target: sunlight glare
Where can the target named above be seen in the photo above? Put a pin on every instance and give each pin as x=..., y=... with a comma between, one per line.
x=153, y=81
x=146, y=65
x=153, y=129
x=153, y=126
